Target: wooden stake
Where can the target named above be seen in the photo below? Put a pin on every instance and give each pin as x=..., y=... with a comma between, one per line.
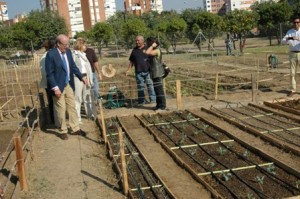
x=102, y=122
x=267, y=61
x=123, y=162
x=2, y=76
x=20, y=163
x=16, y=74
x=253, y=79
x=257, y=76
x=6, y=92
x=16, y=102
x=5, y=74
x=165, y=87
x=178, y=94
x=130, y=92
x=216, y=86
x=22, y=94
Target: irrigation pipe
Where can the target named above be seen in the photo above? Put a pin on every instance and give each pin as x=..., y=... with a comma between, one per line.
x=186, y=166
x=253, y=130
x=235, y=153
x=126, y=154
x=271, y=124
x=146, y=188
x=235, y=169
x=174, y=122
x=147, y=170
x=280, y=130
x=136, y=184
x=200, y=144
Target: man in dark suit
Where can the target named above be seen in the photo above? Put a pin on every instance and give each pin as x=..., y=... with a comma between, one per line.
x=60, y=69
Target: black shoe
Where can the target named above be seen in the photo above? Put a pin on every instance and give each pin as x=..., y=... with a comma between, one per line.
x=64, y=136
x=291, y=93
x=80, y=132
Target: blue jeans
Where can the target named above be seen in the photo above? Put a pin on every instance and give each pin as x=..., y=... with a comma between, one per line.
x=96, y=86
x=142, y=79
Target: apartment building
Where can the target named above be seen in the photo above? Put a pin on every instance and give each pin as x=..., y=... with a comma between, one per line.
x=138, y=7
x=216, y=6
x=223, y=6
x=81, y=15
x=3, y=11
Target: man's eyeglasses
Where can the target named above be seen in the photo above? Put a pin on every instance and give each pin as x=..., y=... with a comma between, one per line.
x=295, y=22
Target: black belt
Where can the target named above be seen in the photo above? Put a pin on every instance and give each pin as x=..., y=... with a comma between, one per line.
x=84, y=74
x=295, y=51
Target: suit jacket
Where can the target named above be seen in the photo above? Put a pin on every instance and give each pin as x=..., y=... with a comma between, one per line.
x=56, y=72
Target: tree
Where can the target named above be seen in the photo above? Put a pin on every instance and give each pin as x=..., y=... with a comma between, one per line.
x=36, y=28
x=271, y=16
x=6, y=39
x=192, y=31
x=131, y=28
x=171, y=27
x=83, y=34
x=211, y=25
x=296, y=10
x=240, y=22
x=101, y=33
x=116, y=21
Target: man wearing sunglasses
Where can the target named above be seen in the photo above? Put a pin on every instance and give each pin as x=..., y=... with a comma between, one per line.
x=292, y=38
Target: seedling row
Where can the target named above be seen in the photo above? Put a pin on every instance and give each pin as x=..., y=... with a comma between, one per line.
x=143, y=183
x=221, y=163
x=265, y=122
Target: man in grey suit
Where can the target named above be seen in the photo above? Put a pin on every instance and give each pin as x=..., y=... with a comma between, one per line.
x=60, y=69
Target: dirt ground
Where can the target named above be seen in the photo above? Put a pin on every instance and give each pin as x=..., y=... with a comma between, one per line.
x=79, y=168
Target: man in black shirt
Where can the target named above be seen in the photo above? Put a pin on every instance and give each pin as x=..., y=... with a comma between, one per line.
x=139, y=60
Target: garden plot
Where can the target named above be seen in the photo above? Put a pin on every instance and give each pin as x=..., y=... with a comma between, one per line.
x=290, y=106
x=143, y=182
x=211, y=78
x=279, y=130
x=233, y=170
x=19, y=107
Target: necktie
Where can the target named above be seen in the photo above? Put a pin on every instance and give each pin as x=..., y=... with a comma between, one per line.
x=66, y=67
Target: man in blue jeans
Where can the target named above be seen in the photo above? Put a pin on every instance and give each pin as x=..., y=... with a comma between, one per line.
x=139, y=60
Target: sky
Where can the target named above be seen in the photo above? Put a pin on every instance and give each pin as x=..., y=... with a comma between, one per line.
x=25, y=6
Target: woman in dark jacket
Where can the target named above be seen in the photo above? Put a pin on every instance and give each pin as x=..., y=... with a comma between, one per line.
x=156, y=72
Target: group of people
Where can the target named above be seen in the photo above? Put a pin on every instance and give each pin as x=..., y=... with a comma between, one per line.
x=147, y=62
x=68, y=78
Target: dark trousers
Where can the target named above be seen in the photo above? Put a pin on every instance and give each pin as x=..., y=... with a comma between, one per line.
x=159, y=92
x=50, y=105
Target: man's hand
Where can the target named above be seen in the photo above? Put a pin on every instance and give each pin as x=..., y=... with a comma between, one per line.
x=84, y=80
x=57, y=93
x=100, y=76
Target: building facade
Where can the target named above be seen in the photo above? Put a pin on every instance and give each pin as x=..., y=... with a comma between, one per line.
x=3, y=11
x=224, y=6
x=81, y=15
x=139, y=7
